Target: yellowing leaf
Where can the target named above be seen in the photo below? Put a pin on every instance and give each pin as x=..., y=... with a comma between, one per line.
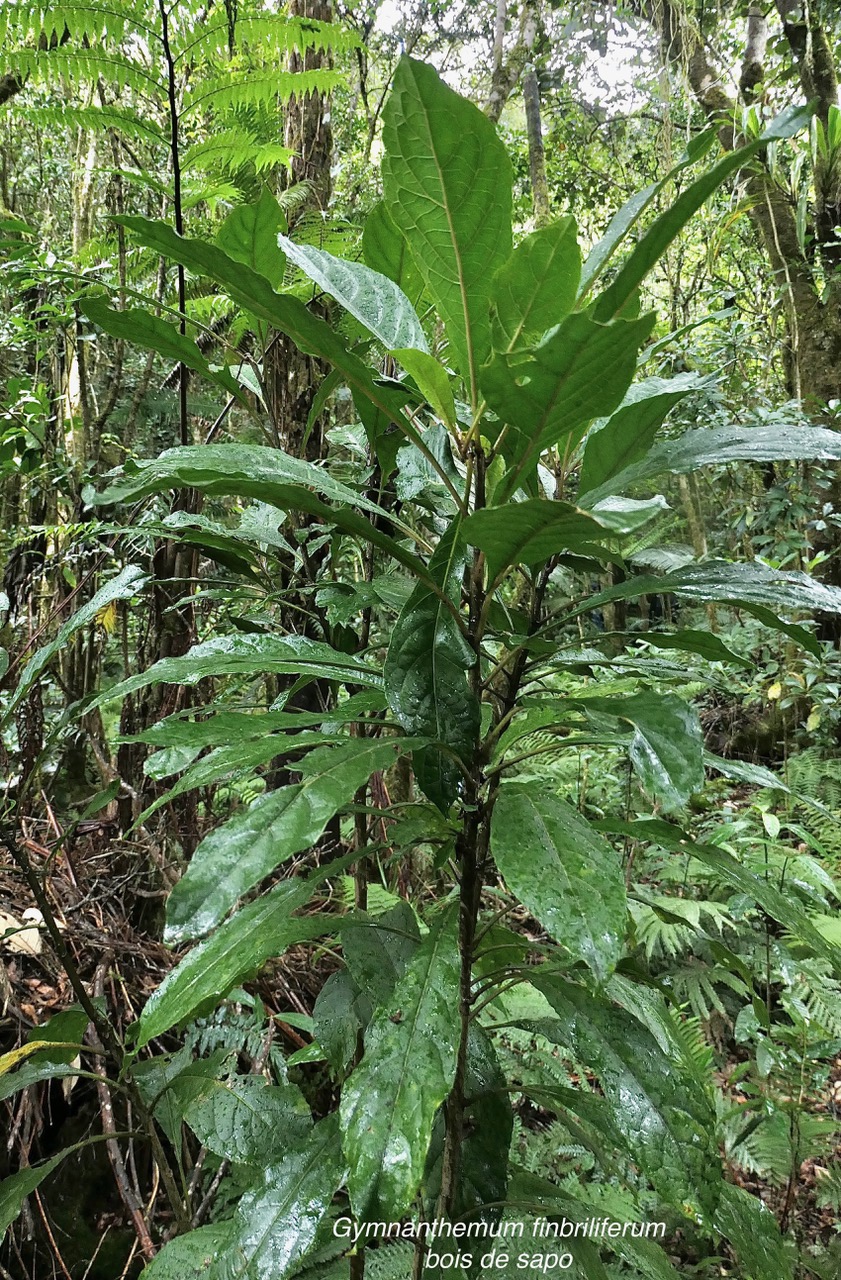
x=107, y=617
x=814, y=720
x=8, y=1061
x=775, y=692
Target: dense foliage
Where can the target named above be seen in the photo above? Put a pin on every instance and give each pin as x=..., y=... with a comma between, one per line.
x=420, y=613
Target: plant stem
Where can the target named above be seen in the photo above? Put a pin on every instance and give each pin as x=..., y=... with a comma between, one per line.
x=178, y=210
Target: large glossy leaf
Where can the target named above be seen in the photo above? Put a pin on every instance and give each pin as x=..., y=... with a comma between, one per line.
x=563, y=872
x=246, y=1120
x=261, y=929
x=127, y=583
x=425, y=674
x=489, y=1124
x=666, y=1120
x=530, y=532
x=340, y=1012
x=140, y=326
x=250, y=845
x=751, y=586
x=389, y=1103
x=753, y=1232
x=536, y=287
x=714, y=446
x=660, y=235
x=629, y=433
x=247, y=655
x=447, y=183
x=372, y=298
x=667, y=746
x=546, y=395
x=275, y=1224
x=249, y=234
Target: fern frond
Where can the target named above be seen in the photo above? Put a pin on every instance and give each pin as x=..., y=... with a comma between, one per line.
x=230, y=149
x=245, y=89
x=273, y=35
x=122, y=119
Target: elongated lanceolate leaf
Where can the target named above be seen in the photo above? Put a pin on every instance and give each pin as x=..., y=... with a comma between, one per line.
x=251, y=844
x=275, y=1224
x=447, y=183
x=389, y=1103
x=268, y=476
x=246, y=654
x=715, y=446
x=249, y=289
x=546, y=395
x=660, y=235
x=568, y=877
x=139, y=326
x=530, y=532
x=752, y=586
x=375, y=301
x=426, y=675
x=536, y=287
x=629, y=433
x=666, y=1120
x=249, y=235
x=126, y=584
x=14, y=1190
x=261, y=929
x=667, y=747
x=432, y=381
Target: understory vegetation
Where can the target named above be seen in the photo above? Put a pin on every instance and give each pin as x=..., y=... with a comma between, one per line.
x=419, y=846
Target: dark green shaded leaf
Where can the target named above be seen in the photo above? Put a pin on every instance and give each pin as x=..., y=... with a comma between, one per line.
x=190, y=1257
x=753, y=1232
x=250, y=845
x=14, y=1190
x=377, y=949
x=562, y=871
x=389, y=1103
x=248, y=1121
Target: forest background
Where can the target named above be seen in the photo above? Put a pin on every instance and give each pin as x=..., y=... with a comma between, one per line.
x=532, y=553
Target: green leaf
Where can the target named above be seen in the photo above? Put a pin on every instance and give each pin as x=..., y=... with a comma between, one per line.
x=190, y=1257
x=275, y=1224
x=562, y=871
x=247, y=655
x=267, y=475
x=377, y=949
x=537, y=286
x=432, y=381
x=579, y=370
x=389, y=1103
x=261, y=929
x=489, y=1125
x=667, y=1122
x=667, y=747
x=142, y=328
x=425, y=674
x=447, y=183
x=704, y=643
x=245, y=1119
x=14, y=1190
x=530, y=532
x=229, y=727
x=715, y=446
x=386, y=251
x=340, y=1012
x=753, y=1232
x=371, y=298
x=253, y=843
x=126, y=584
x=312, y=335
x=660, y=235
x=750, y=586
x=629, y=433
x=68, y=1026
x=249, y=235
